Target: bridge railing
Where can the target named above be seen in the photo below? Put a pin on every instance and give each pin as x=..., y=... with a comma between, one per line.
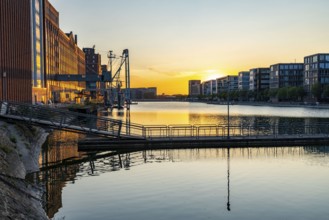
x=225, y=131
x=67, y=120
x=61, y=119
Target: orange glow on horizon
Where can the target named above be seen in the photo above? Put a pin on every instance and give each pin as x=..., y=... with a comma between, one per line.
x=173, y=83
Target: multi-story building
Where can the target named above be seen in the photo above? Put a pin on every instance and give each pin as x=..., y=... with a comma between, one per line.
x=259, y=79
x=206, y=88
x=22, y=51
x=33, y=48
x=194, y=87
x=243, y=80
x=286, y=75
x=63, y=56
x=316, y=70
x=227, y=83
x=70, y=62
x=93, y=67
x=213, y=87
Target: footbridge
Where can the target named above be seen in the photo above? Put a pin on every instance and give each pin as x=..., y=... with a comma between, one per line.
x=112, y=132
x=51, y=117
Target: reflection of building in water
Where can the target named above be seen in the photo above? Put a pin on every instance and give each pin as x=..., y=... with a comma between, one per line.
x=289, y=125
x=54, y=181
x=59, y=147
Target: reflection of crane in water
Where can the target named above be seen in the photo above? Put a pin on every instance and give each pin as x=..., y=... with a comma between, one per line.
x=114, y=94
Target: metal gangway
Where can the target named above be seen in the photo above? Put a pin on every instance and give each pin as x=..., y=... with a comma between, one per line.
x=62, y=119
x=42, y=115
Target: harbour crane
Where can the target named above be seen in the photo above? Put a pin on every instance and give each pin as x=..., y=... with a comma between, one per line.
x=115, y=91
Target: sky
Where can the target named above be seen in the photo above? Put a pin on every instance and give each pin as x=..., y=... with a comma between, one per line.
x=173, y=41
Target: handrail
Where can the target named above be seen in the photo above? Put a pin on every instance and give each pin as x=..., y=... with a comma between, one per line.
x=103, y=126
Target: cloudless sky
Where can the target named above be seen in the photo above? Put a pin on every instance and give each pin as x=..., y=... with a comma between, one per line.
x=172, y=41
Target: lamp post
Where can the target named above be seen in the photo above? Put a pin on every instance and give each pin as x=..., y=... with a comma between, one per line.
x=228, y=108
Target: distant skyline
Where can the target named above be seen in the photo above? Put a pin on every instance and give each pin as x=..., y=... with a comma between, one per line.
x=173, y=41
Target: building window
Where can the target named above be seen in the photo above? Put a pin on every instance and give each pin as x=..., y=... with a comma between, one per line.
x=315, y=59
x=37, y=5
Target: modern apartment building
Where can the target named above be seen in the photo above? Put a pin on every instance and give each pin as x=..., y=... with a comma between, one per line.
x=259, y=79
x=316, y=70
x=227, y=83
x=194, y=88
x=214, y=87
x=286, y=75
x=22, y=51
x=206, y=88
x=243, y=80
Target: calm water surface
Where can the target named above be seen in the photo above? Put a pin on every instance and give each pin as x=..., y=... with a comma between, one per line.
x=150, y=113
x=249, y=183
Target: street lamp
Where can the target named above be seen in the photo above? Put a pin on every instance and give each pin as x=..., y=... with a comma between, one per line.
x=228, y=108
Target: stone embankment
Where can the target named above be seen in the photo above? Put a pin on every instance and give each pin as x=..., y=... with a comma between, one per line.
x=20, y=147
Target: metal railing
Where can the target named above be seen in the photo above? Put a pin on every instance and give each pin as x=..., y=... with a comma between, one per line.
x=61, y=119
x=103, y=126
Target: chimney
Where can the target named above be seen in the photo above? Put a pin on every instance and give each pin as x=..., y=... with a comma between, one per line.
x=76, y=39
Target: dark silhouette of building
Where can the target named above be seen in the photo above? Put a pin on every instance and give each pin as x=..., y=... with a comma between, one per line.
x=194, y=88
x=93, y=67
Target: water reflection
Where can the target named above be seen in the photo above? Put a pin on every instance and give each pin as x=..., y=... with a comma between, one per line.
x=228, y=180
x=241, y=124
x=229, y=177
x=62, y=164
x=150, y=113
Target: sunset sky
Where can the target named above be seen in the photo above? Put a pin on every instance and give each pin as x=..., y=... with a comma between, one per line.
x=172, y=41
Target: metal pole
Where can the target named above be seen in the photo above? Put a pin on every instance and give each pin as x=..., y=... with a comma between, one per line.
x=228, y=108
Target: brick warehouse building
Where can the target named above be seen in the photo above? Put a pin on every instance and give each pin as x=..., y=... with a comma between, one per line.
x=21, y=51
x=32, y=48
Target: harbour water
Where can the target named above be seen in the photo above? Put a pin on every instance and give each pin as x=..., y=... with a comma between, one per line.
x=247, y=183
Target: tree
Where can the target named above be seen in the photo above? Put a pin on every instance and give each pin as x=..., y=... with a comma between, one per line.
x=292, y=94
x=282, y=94
x=234, y=95
x=243, y=95
x=273, y=93
x=301, y=93
x=326, y=92
x=316, y=91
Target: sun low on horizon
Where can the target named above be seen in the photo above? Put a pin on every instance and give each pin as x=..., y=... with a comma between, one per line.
x=174, y=41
